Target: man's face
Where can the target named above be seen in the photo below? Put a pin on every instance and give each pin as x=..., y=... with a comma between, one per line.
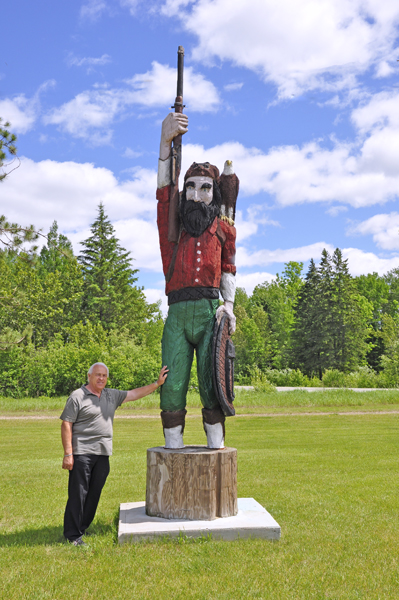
x=98, y=378
x=199, y=189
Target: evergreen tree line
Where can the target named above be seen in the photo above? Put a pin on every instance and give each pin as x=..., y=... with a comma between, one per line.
x=59, y=313
x=323, y=326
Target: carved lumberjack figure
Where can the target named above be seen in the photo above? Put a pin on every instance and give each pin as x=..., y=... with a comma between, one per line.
x=198, y=263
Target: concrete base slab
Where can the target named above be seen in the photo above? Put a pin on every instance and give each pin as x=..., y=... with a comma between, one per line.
x=252, y=521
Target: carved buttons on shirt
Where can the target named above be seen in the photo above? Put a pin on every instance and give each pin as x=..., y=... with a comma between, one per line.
x=198, y=251
x=196, y=280
x=198, y=260
x=198, y=268
x=198, y=243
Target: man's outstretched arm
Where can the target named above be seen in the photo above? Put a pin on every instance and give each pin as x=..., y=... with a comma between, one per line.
x=147, y=389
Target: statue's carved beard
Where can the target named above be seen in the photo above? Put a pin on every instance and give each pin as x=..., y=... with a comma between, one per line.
x=197, y=216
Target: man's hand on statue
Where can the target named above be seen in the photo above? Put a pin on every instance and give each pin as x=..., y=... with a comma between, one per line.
x=162, y=375
x=227, y=309
x=174, y=124
x=67, y=463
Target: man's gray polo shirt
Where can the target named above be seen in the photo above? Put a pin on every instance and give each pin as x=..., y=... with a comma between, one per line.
x=92, y=419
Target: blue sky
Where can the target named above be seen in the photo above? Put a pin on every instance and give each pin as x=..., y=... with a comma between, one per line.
x=302, y=96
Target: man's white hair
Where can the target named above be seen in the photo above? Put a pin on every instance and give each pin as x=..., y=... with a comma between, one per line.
x=90, y=371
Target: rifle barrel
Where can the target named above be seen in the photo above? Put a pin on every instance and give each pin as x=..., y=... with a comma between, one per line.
x=180, y=68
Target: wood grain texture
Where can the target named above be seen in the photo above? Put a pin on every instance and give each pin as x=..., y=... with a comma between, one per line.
x=194, y=483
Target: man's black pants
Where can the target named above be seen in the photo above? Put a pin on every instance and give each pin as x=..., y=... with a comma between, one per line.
x=86, y=481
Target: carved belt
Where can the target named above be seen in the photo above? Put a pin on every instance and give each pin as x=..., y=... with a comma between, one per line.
x=193, y=293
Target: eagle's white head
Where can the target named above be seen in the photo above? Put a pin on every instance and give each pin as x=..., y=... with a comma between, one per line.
x=228, y=168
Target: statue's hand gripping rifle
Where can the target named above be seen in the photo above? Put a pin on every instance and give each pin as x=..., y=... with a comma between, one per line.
x=173, y=229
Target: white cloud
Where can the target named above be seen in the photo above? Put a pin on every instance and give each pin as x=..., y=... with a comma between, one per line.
x=361, y=173
x=296, y=175
x=70, y=193
x=131, y=5
x=384, y=228
x=384, y=69
x=249, y=280
x=298, y=46
x=245, y=228
x=129, y=153
x=361, y=263
x=157, y=87
x=93, y=9
x=232, y=87
x=172, y=8
x=246, y=258
x=378, y=112
x=248, y=227
x=74, y=61
x=153, y=295
x=22, y=112
x=334, y=211
x=141, y=238
x=90, y=114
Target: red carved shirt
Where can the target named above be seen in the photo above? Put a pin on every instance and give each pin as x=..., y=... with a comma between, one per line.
x=199, y=261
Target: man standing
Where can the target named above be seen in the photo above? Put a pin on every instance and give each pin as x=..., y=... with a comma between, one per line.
x=86, y=433
x=196, y=268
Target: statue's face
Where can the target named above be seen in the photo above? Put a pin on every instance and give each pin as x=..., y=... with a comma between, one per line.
x=199, y=189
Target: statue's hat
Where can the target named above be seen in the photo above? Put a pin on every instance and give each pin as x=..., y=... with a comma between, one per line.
x=202, y=170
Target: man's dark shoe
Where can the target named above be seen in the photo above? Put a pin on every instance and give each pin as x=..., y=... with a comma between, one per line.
x=79, y=542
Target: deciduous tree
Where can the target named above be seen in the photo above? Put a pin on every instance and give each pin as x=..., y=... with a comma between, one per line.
x=278, y=300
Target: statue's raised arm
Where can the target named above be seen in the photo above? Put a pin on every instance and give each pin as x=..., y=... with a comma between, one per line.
x=173, y=125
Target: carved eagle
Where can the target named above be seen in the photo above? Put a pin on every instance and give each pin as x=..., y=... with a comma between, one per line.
x=229, y=185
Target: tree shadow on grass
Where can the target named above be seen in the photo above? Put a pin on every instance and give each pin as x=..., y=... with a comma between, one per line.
x=53, y=535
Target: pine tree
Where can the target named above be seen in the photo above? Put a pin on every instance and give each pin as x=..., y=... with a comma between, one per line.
x=307, y=336
x=324, y=313
x=57, y=253
x=332, y=319
x=7, y=146
x=351, y=315
x=110, y=296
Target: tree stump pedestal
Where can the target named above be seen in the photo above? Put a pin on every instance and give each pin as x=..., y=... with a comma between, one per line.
x=193, y=483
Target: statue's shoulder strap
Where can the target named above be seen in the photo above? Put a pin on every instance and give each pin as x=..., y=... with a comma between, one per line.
x=220, y=234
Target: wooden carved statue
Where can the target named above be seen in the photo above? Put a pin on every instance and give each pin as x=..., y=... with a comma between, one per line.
x=197, y=239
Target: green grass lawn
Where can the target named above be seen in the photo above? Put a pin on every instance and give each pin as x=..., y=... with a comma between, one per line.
x=245, y=402
x=330, y=481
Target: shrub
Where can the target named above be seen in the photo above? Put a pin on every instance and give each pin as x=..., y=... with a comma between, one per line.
x=287, y=377
x=260, y=381
x=389, y=376
x=364, y=377
x=334, y=378
x=60, y=368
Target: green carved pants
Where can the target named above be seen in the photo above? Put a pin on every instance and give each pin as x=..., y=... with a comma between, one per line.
x=189, y=326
